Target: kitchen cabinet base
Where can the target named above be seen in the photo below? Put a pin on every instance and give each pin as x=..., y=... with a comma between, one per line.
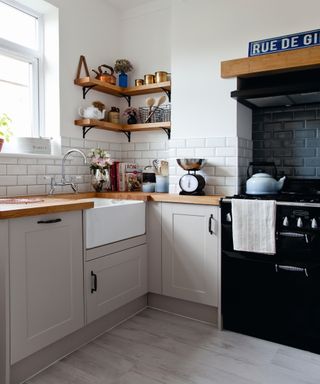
x=185, y=308
x=40, y=360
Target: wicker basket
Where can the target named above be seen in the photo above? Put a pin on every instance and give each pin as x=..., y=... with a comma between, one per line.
x=160, y=114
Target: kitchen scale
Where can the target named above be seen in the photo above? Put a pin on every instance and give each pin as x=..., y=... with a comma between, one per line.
x=191, y=183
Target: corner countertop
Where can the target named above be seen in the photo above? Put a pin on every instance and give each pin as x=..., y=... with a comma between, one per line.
x=71, y=202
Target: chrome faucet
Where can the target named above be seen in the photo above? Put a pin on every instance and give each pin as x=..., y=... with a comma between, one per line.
x=63, y=182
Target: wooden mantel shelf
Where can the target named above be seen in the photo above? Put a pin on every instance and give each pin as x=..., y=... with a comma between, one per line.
x=299, y=59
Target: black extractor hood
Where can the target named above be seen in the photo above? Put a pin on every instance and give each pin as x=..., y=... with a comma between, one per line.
x=283, y=89
x=277, y=79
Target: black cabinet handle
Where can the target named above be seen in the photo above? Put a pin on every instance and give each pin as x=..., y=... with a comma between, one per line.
x=49, y=221
x=94, y=282
x=210, y=225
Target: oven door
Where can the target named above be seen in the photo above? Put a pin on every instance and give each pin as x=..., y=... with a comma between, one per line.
x=271, y=298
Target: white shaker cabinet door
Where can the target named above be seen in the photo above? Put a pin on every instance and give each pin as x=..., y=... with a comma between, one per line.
x=46, y=280
x=190, y=252
x=114, y=280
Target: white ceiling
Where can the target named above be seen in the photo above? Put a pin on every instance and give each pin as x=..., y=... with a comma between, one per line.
x=127, y=4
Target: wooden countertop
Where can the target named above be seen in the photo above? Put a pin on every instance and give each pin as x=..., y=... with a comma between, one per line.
x=163, y=197
x=72, y=202
x=46, y=206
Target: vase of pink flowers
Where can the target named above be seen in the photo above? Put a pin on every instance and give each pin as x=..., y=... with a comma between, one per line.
x=100, y=163
x=131, y=115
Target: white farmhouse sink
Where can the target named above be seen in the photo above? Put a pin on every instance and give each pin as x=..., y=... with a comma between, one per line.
x=113, y=220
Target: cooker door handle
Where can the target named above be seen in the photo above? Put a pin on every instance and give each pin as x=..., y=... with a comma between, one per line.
x=295, y=235
x=291, y=268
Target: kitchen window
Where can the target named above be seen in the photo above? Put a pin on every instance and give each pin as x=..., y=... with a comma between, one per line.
x=21, y=63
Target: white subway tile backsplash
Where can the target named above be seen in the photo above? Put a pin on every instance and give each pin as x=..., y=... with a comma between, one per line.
x=177, y=143
x=210, y=180
x=216, y=161
x=25, y=160
x=207, y=170
x=162, y=154
x=36, y=169
x=185, y=153
x=226, y=171
x=160, y=145
x=65, y=141
x=76, y=143
x=231, y=161
x=226, y=191
x=221, y=169
x=195, y=143
x=134, y=154
x=232, y=141
x=27, y=180
x=216, y=142
x=53, y=170
x=17, y=190
x=149, y=154
x=231, y=181
x=115, y=147
x=141, y=146
x=36, y=189
x=127, y=146
x=8, y=160
x=8, y=180
x=226, y=151
x=204, y=152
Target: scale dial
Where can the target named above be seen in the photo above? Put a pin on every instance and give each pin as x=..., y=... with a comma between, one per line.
x=191, y=183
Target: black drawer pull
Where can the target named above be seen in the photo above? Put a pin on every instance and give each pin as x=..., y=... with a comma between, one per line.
x=94, y=282
x=49, y=221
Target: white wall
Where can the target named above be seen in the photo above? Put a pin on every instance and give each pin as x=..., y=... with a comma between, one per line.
x=206, y=32
x=89, y=28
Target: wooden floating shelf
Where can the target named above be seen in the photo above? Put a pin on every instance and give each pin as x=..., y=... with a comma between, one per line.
x=87, y=124
x=298, y=59
x=102, y=86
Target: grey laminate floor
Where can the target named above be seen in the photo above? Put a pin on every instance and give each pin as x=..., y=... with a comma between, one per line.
x=156, y=347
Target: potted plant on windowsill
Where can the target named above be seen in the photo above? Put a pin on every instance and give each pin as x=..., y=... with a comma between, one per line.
x=5, y=129
x=122, y=66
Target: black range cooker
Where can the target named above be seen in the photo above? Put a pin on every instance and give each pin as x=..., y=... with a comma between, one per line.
x=277, y=297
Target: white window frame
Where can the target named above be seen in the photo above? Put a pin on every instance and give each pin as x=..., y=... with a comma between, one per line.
x=36, y=58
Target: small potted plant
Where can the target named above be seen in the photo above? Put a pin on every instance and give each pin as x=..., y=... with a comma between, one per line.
x=5, y=129
x=131, y=114
x=122, y=66
x=100, y=163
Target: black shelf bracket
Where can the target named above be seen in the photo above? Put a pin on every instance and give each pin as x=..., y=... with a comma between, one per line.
x=128, y=134
x=86, y=129
x=128, y=98
x=168, y=93
x=85, y=90
x=168, y=132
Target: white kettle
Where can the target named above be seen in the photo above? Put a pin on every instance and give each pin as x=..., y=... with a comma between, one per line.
x=91, y=113
x=262, y=183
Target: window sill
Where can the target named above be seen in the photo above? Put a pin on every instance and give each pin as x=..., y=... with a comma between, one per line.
x=30, y=155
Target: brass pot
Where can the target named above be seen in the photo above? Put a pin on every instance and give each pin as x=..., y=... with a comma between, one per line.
x=138, y=82
x=161, y=76
x=148, y=79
